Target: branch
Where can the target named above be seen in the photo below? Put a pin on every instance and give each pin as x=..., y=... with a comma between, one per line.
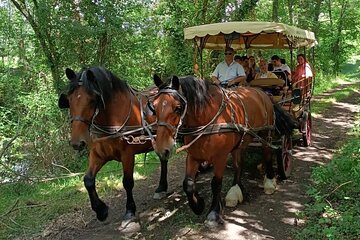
x=7, y=145
x=216, y=12
x=60, y=166
x=335, y=189
x=11, y=209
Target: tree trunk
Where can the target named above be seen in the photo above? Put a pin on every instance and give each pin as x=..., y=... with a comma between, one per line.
x=337, y=44
x=316, y=24
x=275, y=11
x=47, y=43
x=291, y=11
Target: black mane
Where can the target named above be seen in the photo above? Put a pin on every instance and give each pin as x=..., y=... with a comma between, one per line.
x=104, y=83
x=196, y=91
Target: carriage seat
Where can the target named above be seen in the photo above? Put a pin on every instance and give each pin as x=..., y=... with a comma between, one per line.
x=273, y=86
x=267, y=82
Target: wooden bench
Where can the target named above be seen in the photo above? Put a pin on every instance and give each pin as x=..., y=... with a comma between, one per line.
x=269, y=84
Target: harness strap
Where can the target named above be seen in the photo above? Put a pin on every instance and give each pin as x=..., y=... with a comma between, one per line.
x=201, y=130
x=227, y=127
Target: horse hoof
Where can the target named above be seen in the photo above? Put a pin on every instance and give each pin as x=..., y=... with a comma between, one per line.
x=213, y=220
x=129, y=226
x=269, y=185
x=102, y=214
x=159, y=195
x=233, y=196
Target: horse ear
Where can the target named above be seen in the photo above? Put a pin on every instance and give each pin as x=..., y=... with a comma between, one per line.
x=175, y=83
x=90, y=76
x=157, y=80
x=63, y=101
x=70, y=74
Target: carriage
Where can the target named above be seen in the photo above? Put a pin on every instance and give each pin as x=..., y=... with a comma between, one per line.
x=294, y=99
x=97, y=121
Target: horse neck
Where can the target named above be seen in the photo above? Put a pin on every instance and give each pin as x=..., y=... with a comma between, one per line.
x=123, y=108
x=202, y=116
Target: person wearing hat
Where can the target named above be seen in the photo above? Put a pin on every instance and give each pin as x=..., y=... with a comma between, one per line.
x=228, y=72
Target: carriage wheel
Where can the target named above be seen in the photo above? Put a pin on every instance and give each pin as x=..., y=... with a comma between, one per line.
x=284, y=157
x=306, y=130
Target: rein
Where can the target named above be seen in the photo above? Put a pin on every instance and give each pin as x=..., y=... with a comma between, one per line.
x=202, y=129
x=123, y=131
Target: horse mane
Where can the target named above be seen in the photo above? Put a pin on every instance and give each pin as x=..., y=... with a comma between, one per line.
x=105, y=83
x=196, y=92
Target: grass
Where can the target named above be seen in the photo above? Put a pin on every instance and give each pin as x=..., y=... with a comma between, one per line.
x=335, y=210
x=326, y=101
x=26, y=208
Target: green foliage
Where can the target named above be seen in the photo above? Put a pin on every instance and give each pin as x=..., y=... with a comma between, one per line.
x=27, y=208
x=335, y=213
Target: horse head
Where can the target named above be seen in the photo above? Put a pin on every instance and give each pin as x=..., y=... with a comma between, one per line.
x=83, y=99
x=170, y=108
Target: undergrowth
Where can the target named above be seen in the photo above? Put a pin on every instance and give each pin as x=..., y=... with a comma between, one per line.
x=335, y=210
x=26, y=207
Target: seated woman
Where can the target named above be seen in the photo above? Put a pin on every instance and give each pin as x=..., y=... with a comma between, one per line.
x=264, y=73
x=251, y=69
x=302, y=72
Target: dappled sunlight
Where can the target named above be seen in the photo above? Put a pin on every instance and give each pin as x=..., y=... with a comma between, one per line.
x=293, y=206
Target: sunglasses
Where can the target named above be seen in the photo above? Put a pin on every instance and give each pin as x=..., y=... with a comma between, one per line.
x=228, y=53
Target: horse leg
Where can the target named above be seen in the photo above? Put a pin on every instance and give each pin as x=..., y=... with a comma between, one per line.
x=269, y=179
x=196, y=203
x=216, y=209
x=128, y=182
x=161, y=190
x=89, y=181
x=235, y=194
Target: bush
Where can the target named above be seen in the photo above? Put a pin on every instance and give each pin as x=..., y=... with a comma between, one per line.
x=335, y=213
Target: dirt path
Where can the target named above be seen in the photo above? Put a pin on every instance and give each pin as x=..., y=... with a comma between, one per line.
x=263, y=217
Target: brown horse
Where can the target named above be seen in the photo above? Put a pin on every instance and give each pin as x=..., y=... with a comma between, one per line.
x=108, y=116
x=215, y=122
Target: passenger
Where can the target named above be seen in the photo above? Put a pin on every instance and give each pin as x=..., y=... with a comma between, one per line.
x=283, y=61
x=252, y=62
x=238, y=59
x=270, y=67
x=264, y=73
x=302, y=70
x=279, y=66
x=228, y=72
x=250, y=71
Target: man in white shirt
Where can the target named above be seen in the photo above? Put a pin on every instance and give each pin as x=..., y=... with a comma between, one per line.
x=229, y=72
x=276, y=61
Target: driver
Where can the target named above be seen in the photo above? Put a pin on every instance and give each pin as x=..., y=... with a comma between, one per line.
x=228, y=72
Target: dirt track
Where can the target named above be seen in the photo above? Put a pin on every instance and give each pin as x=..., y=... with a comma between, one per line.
x=263, y=217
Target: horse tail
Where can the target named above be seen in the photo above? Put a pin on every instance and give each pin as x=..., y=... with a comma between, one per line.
x=284, y=123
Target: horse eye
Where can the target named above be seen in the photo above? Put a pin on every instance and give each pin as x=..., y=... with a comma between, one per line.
x=178, y=110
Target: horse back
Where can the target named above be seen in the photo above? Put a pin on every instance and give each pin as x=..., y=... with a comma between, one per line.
x=257, y=106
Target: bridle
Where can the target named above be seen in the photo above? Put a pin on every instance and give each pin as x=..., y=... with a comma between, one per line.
x=169, y=90
x=80, y=118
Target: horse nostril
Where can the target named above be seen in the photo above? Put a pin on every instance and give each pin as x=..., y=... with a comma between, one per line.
x=167, y=153
x=78, y=145
x=82, y=144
